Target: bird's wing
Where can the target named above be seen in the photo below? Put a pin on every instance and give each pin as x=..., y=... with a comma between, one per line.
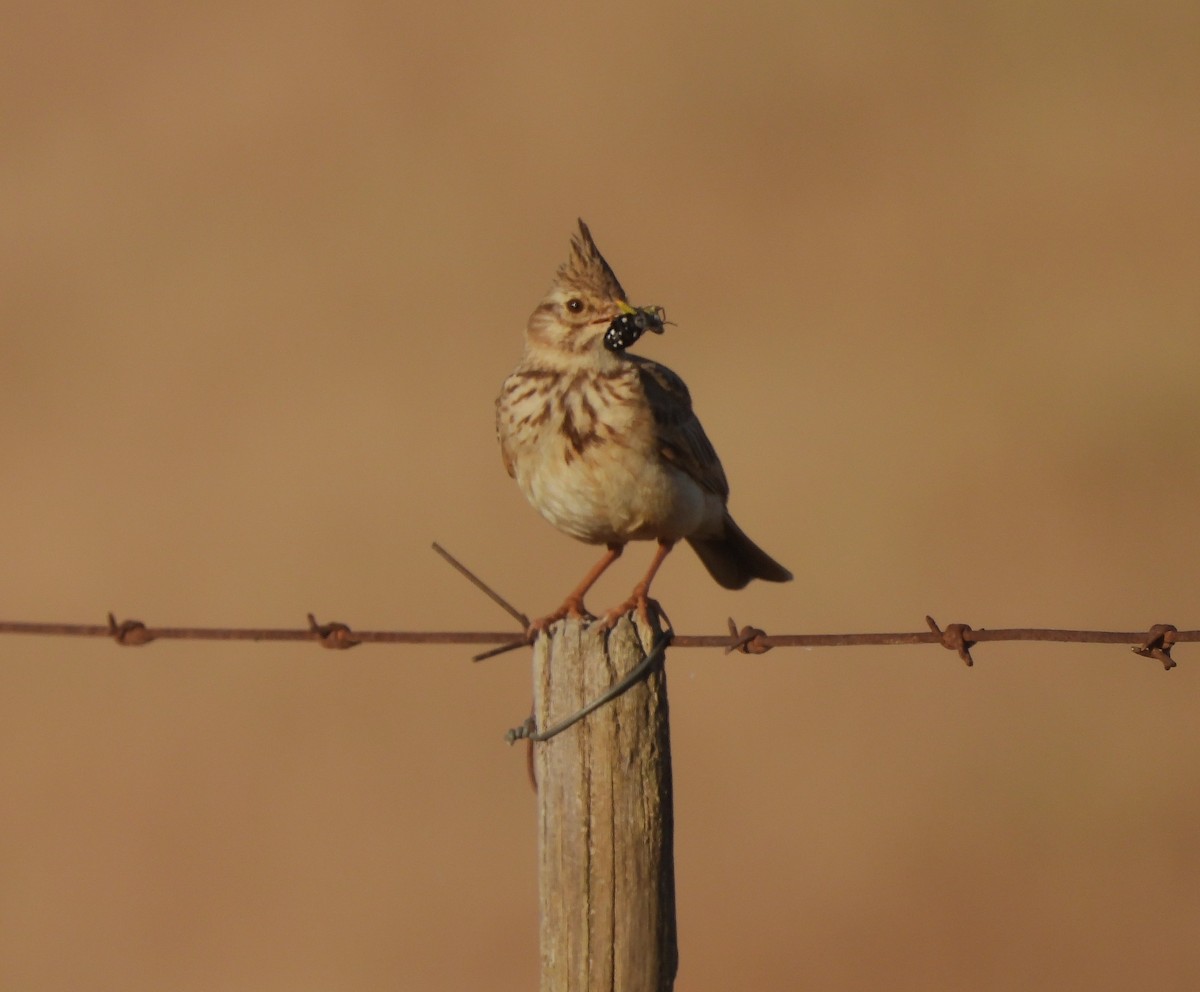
x=681, y=440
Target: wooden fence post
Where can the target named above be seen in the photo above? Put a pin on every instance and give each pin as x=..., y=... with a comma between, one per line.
x=605, y=820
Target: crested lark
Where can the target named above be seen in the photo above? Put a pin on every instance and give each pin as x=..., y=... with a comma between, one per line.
x=605, y=445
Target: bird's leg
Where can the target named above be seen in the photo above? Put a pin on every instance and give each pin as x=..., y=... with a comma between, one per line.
x=573, y=605
x=640, y=598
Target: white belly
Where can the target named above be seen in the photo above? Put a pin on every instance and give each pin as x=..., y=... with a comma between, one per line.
x=611, y=494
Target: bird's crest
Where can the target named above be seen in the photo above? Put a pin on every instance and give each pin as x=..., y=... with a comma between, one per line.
x=586, y=269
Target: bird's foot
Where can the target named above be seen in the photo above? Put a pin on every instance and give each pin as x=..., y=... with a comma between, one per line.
x=572, y=607
x=639, y=601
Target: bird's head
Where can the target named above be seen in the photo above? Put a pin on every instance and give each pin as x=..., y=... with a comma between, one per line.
x=584, y=299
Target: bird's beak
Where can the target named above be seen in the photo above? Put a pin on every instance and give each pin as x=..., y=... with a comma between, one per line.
x=625, y=307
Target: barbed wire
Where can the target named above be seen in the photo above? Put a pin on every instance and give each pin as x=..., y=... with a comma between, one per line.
x=1155, y=643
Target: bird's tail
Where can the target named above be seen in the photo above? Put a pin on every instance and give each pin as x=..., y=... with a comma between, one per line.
x=733, y=559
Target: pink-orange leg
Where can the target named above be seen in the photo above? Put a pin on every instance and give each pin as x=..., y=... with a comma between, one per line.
x=573, y=605
x=640, y=598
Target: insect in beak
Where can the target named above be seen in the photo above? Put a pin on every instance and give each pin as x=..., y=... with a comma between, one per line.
x=631, y=324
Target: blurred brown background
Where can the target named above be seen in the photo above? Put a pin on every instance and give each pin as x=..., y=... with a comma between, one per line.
x=934, y=270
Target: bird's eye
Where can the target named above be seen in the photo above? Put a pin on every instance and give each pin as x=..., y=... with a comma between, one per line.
x=574, y=304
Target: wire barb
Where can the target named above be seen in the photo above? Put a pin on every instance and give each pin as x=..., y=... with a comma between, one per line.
x=1158, y=644
x=748, y=640
x=337, y=636
x=956, y=637
x=128, y=633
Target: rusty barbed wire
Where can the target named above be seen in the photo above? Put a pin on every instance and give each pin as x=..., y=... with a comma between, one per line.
x=134, y=633
x=1155, y=643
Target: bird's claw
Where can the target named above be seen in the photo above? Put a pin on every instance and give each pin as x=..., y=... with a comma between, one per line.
x=572, y=607
x=639, y=601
